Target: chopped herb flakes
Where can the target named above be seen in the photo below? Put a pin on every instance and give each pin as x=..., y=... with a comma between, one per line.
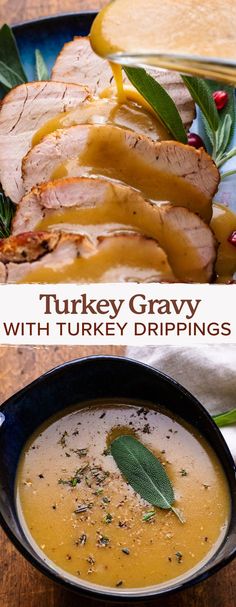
x=98, y=492
x=106, y=500
x=103, y=540
x=74, y=480
x=83, y=508
x=62, y=440
x=148, y=516
x=183, y=472
x=107, y=451
x=83, y=539
x=146, y=429
x=80, y=452
x=108, y=518
x=179, y=556
x=125, y=550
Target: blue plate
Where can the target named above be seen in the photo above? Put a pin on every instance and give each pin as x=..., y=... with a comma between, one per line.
x=50, y=34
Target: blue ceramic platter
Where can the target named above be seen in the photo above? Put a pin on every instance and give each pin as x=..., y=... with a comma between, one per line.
x=50, y=34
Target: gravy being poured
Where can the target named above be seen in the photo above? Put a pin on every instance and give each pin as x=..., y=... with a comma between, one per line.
x=167, y=34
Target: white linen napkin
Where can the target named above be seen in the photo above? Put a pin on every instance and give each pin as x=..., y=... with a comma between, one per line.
x=208, y=372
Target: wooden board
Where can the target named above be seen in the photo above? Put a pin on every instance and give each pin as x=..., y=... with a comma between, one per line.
x=20, y=584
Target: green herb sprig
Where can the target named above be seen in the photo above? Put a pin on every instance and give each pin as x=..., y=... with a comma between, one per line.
x=159, y=100
x=219, y=126
x=144, y=472
x=12, y=72
x=7, y=210
x=41, y=68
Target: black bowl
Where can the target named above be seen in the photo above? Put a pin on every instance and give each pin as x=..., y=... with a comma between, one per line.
x=89, y=379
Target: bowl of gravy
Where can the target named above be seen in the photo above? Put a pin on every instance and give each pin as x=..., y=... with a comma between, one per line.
x=69, y=509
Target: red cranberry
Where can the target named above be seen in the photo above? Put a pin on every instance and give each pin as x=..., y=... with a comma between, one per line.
x=221, y=99
x=195, y=141
x=232, y=239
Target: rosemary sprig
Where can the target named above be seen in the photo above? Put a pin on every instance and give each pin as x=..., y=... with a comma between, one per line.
x=7, y=210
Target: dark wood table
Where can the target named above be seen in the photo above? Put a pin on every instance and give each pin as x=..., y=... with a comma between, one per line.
x=20, y=584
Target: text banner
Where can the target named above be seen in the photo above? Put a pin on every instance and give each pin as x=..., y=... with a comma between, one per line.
x=128, y=314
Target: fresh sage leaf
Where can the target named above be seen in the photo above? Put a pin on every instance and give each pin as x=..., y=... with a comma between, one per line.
x=227, y=174
x=159, y=100
x=10, y=58
x=9, y=78
x=230, y=107
x=222, y=138
x=202, y=96
x=226, y=157
x=144, y=472
x=225, y=419
x=41, y=68
x=7, y=210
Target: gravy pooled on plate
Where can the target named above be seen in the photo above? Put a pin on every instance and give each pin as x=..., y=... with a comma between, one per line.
x=82, y=515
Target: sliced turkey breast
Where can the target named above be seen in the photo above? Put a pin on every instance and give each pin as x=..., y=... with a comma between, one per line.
x=165, y=170
x=57, y=257
x=22, y=112
x=77, y=62
x=127, y=115
x=96, y=206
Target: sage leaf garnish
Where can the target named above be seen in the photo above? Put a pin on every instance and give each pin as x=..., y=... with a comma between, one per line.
x=229, y=109
x=9, y=78
x=219, y=126
x=227, y=174
x=144, y=472
x=41, y=68
x=159, y=100
x=148, y=516
x=202, y=96
x=7, y=210
x=222, y=138
x=225, y=419
x=11, y=69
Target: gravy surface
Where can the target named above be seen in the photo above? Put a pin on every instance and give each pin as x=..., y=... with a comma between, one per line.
x=101, y=156
x=129, y=113
x=76, y=506
x=121, y=259
x=113, y=214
